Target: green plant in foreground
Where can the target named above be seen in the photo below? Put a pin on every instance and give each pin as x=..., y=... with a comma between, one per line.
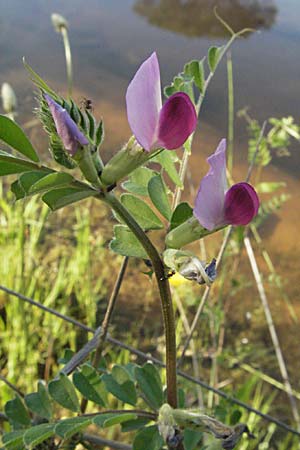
x=154, y=415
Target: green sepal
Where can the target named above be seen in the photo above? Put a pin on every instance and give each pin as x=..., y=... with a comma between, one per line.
x=187, y=232
x=129, y=158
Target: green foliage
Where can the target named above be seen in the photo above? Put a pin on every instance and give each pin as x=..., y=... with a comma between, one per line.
x=158, y=195
x=88, y=383
x=191, y=439
x=63, y=392
x=181, y=83
x=17, y=414
x=35, y=435
x=67, y=428
x=13, y=440
x=168, y=161
x=58, y=198
x=182, y=212
x=11, y=165
x=277, y=140
x=120, y=384
x=142, y=213
x=138, y=181
x=213, y=57
x=263, y=156
x=195, y=69
x=125, y=243
x=134, y=424
x=14, y=136
x=269, y=187
x=39, y=402
x=149, y=382
x=149, y=435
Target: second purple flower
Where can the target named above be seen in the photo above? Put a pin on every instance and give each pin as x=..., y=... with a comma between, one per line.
x=215, y=204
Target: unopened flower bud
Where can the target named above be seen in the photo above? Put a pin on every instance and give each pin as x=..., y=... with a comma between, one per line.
x=9, y=99
x=58, y=22
x=190, y=267
x=72, y=138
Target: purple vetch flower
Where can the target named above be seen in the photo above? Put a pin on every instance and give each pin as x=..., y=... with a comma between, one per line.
x=66, y=128
x=215, y=204
x=155, y=125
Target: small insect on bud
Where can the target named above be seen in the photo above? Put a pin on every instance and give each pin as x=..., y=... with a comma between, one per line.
x=58, y=22
x=9, y=99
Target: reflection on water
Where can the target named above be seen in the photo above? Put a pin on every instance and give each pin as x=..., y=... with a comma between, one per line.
x=196, y=18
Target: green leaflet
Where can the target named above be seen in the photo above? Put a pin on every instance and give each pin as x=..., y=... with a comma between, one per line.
x=14, y=136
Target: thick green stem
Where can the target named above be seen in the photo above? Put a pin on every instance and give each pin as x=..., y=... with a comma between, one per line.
x=87, y=166
x=164, y=291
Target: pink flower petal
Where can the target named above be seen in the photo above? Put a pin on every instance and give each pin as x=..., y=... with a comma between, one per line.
x=209, y=204
x=241, y=204
x=143, y=101
x=177, y=120
x=66, y=128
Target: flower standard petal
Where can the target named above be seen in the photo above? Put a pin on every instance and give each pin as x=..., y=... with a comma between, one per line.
x=143, y=101
x=209, y=204
x=66, y=128
x=241, y=204
x=177, y=120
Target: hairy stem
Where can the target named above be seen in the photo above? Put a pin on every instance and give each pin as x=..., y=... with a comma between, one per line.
x=164, y=291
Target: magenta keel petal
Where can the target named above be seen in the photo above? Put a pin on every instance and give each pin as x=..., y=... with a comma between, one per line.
x=241, y=204
x=143, y=102
x=66, y=128
x=177, y=120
